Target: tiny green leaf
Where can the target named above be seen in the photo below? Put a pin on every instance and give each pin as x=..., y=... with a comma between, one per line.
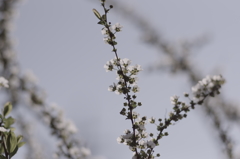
x=104, y=17
x=11, y=142
x=7, y=108
x=101, y=22
x=8, y=122
x=19, y=138
x=12, y=128
x=20, y=144
x=14, y=152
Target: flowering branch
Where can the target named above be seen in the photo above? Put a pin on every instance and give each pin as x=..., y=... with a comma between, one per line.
x=127, y=83
x=126, y=74
x=180, y=63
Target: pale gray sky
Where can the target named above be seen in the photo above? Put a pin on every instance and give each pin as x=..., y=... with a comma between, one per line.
x=61, y=43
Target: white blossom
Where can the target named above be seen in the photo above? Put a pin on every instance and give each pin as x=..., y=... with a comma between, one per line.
x=142, y=142
x=151, y=144
x=2, y=129
x=127, y=131
x=120, y=139
x=108, y=66
x=30, y=77
x=151, y=120
x=174, y=99
x=131, y=148
x=135, y=69
x=217, y=78
x=85, y=151
x=119, y=89
x=117, y=27
x=106, y=39
x=127, y=136
x=104, y=31
x=71, y=127
x=127, y=141
x=111, y=88
x=142, y=127
x=114, y=61
x=133, y=80
x=135, y=88
x=125, y=62
x=135, y=115
x=4, y=82
x=144, y=134
x=74, y=151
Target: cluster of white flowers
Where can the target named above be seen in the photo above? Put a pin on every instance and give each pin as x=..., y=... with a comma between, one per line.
x=127, y=82
x=57, y=118
x=138, y=140
x=144, y=141
x=126, y=75
x=64, y=128
x=207, y=86
x=110, y=35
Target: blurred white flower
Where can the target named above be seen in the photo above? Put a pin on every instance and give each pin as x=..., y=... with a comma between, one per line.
x=30, y=77
x=2, y=129
x=85, y=151
x=4, y=82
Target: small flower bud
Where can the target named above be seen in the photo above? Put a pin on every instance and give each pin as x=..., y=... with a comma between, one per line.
x=119, y=72
x=123, y=111
x=186, y=94
x=192, y=106
x=144, y=118
x=171, y=114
